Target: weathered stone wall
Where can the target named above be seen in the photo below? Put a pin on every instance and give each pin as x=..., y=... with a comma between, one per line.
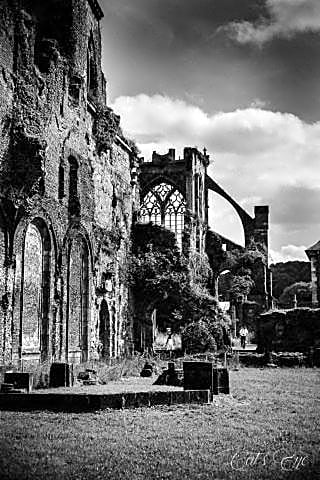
x=68, y=182
x=313, y=254
x=197, y=200
x=293, y=330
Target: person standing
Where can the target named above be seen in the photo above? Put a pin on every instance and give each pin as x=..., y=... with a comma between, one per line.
x=169, y=342
x=243, y=336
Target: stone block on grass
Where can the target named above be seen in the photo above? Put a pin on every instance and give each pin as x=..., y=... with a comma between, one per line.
x=160, y=398
x=199, y=396
x=129, y=400
x=205, y=376
x=61, y=375
x=143, y=399
x=20, y=380
x=111, y=401
x=179, y=397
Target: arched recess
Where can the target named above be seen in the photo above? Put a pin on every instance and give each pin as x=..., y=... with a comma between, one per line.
x=246, y=220
x=151, y=326
x=74, y=203
x=104, y=330
x=163, y=204
x=35, y=291
x=92, y=77
x=77, y=334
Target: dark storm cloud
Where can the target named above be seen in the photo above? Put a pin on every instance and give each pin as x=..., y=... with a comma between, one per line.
x=297, y=63
x=187, y=20
x=179, y=48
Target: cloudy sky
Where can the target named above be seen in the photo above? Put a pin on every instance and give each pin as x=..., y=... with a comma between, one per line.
x=239, y=77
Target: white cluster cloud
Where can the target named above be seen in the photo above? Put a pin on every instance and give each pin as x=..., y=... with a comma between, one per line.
x=270, y=157
x=288, y=253
x=287, y=18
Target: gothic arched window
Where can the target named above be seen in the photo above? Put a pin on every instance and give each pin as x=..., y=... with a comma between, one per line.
x=36, y=289
x=92, y=83
x=74, y=203
x=164, y=205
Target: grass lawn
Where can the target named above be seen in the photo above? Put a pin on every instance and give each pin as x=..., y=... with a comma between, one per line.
x=268, y=428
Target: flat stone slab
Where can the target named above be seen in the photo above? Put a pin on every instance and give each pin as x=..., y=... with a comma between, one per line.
x=130, y=384
x=127, y=393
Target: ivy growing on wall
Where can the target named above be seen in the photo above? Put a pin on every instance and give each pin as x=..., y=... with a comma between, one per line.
x=244, y=266
x=105, y=128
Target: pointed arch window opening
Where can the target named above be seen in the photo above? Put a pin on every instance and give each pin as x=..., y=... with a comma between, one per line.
x=164, y=205
x=92, y=80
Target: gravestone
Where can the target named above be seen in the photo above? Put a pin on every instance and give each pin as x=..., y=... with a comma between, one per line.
x=205, y=376
x=147, y=370
x=170, y=376
x=61, y=375
x=19, y=380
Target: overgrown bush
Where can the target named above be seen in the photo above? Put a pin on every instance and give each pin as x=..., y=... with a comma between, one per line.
x=300, y=290
x=162, y=278
x=197, y=338
x=247, y=270
x=200, y=270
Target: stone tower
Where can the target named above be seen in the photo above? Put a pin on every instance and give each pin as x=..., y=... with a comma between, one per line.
x=174, y=195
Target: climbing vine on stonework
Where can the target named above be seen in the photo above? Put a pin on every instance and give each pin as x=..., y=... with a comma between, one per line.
x=200, y=269
x=105, y=128
x=108, y=240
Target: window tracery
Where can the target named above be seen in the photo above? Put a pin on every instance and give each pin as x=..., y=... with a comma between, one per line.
x=164, y=205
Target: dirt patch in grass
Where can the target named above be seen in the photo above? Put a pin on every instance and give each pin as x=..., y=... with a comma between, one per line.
x=270, y=416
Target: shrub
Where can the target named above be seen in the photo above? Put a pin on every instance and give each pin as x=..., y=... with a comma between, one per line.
x=197, y=338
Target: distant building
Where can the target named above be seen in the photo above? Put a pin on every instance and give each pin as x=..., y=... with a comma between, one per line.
x=313, y=254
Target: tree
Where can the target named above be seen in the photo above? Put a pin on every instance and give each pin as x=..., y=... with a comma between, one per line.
x=240, y=287
x=300, y=290
x=244, y=266
x=157, y=269
x=160, y=274
x=197, y=338
x=285, y=274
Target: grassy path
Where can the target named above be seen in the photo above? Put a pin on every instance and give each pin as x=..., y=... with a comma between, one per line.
x=267, y=429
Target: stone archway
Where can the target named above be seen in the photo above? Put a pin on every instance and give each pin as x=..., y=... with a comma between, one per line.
x=104, y=330
x=35, y=342
x=78, y=301
x=246, y=220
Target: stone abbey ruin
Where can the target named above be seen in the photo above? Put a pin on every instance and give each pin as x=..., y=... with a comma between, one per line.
x=72, y=187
